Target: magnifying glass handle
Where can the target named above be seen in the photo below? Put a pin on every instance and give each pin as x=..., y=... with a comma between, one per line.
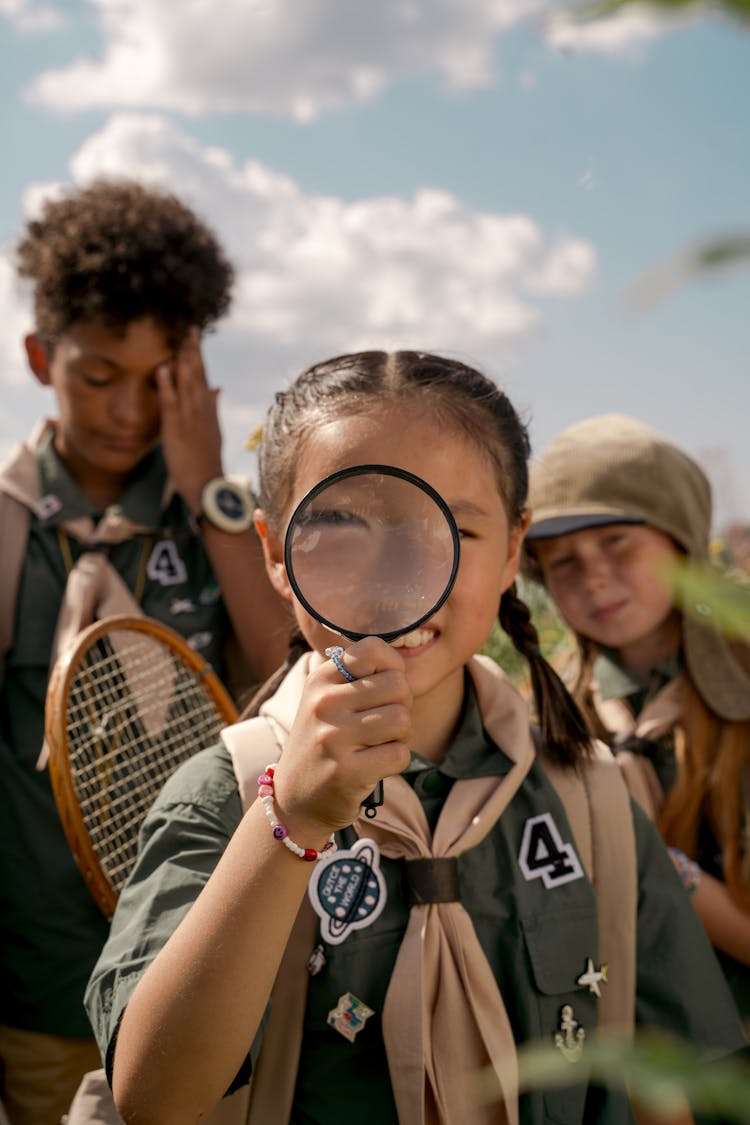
x=373, y=802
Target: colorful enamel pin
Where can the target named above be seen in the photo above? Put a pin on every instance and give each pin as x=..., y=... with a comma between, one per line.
x=571, y=1036
x=349, y=1016
x=347, y=890
x=592, y=978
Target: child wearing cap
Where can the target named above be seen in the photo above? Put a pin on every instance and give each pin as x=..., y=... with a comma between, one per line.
x=614, y=503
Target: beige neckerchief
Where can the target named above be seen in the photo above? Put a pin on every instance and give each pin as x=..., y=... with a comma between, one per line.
x=659, y=716
x=444, y=1017
x=94, y=589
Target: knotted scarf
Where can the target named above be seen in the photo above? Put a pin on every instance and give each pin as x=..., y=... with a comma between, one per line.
x=658, y=717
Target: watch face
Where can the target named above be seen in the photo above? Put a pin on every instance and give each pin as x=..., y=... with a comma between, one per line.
x=227, y=505
x=229, y=501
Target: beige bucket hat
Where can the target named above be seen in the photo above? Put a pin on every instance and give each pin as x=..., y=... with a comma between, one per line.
x=614, y=469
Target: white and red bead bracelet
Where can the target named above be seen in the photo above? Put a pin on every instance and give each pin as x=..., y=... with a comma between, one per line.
x=279, y=830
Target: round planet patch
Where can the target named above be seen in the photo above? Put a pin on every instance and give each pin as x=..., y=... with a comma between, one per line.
x=347, y=890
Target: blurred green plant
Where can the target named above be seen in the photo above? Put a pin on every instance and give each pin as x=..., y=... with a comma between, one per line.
x=717, y=254
x=659, y=1071
x=703, y=592
x=600, y=9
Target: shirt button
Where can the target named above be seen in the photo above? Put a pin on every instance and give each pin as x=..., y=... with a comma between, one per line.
x=431, y=782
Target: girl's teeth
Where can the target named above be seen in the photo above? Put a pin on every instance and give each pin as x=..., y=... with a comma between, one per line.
x=413, y=639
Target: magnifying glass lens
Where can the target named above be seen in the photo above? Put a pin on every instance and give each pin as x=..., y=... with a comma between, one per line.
x=372, y=553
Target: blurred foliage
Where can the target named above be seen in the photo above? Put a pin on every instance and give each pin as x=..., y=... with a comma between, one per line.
x=601, y=9
x=703, y=592
x=709, y=256
x=659, y=1071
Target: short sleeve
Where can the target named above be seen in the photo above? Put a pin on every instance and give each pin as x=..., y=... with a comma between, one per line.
x=182, y=839
x=680, y=986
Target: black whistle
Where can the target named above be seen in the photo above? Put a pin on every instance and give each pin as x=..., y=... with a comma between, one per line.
x=372, y=803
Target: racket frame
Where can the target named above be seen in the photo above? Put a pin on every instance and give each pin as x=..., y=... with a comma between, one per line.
x=56, y=733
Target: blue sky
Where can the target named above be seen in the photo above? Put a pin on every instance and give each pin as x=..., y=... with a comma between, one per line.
x=460, y=175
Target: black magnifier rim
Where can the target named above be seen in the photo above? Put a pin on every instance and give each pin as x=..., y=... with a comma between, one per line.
x=359, y=471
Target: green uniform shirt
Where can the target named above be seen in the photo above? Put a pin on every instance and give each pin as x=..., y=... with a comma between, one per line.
x=537, y=940
x=51, y=930
x=615, y=682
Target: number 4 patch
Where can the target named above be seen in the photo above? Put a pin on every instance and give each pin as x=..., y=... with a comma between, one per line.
x=544, y=855
x=165, y=565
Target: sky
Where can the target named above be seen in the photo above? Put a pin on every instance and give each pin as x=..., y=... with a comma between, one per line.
x=476, y=177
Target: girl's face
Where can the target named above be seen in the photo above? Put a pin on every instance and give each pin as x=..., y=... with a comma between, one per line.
x=405, y=436
x=607, y=584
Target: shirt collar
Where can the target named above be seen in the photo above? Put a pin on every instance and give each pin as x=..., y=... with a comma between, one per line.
x=472, y=752
x=63, y=500
x=615, y=682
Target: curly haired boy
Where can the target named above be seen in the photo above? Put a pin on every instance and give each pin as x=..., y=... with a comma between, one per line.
x=125, y=280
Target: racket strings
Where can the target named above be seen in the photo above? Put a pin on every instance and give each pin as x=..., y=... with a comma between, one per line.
x=135, y=713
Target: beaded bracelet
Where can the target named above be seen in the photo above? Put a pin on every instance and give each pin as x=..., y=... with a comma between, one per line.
x=279, y=830
x=689, y=871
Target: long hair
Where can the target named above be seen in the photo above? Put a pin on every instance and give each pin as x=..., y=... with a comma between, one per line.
x=712, y=787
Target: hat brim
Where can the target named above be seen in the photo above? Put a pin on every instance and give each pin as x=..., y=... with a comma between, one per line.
x=554, y=526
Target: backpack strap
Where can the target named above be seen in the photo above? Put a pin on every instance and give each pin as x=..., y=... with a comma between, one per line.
x=15, y=521
x=252, y=745
x=597, y=805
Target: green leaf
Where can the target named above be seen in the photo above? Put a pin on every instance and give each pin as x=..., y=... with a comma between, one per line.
x=701, y=591
x=602, y=9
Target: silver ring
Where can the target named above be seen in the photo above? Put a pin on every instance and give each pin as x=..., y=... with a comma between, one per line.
x=336, y=652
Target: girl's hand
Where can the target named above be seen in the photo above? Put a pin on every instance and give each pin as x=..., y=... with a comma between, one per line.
x=345, y=738
x=190, y=433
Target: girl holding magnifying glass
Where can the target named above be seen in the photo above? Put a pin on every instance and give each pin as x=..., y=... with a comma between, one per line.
x=506, y=891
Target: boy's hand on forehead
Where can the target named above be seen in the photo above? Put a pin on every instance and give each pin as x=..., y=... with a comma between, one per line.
x=345, y=738
x=190, y=432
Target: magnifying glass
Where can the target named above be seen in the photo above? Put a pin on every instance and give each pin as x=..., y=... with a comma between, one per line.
x=372, y=551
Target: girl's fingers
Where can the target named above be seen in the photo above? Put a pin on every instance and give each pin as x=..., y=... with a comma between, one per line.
x=391, y=723
x=368, y=657
x=389, y=686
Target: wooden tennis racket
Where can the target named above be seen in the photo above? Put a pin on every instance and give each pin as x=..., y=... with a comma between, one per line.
x=127, y=702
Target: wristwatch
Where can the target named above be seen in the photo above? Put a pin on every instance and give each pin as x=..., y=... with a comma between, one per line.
x=227, y=504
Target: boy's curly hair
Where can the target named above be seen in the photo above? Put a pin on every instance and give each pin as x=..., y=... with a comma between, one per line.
x=117, y=251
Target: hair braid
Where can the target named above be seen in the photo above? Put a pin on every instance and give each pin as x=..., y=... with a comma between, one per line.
x=563, y=727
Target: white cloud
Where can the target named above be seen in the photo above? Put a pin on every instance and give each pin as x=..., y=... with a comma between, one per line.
x=32, y=15
x=626, y=33
x=16, y=323
x=317, y=275
x=319, y=270
x=276, y=56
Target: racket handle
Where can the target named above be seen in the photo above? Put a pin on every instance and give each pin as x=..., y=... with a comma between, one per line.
x=372, y=803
